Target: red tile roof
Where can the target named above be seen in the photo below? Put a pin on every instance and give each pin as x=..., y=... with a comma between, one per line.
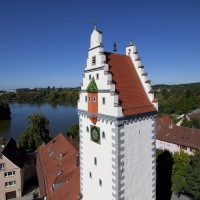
x=194, y=115
x=179, y=135
x=132, y=95
x=57, y=169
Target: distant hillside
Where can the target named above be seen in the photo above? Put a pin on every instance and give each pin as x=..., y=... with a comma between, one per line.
x=178, y=86
x=177, y=99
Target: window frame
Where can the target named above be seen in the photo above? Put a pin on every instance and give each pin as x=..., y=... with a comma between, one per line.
x=93, y=60
x=103, y=100
x=7, y=175
x=10, y=184
x=2, y=165
x=95, y=161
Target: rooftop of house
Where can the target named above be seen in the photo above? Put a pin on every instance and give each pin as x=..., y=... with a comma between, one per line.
x=132, y=95
x=167, y=131
x=14, y=153
x=58, y=169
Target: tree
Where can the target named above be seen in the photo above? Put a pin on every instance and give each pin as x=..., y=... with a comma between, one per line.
x=192, y=174
x=36, y=133
x=2, y=140
x=73, y=131
x=181, y=161
x=4, y=110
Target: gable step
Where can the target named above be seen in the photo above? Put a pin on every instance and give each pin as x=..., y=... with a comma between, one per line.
x=141, y=66
x=151, y=91
x=145, y=74
x=138, y=59
x=148, y=81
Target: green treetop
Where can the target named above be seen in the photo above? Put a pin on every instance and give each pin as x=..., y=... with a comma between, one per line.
x=181, y=161
x=36, y=133
x=92, y=87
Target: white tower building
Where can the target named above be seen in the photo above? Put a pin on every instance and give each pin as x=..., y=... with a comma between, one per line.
x=117, y=113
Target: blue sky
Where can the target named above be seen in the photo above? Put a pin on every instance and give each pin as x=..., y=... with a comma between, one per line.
x=45, y=42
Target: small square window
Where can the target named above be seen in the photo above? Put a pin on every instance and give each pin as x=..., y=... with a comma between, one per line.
x=95, y=160
x=85, y=98
x=90, y=76
x=103, y=135
x=94, y=60
x=94, y=99
x=90, y=174
x=97, y=76
x=100, y=182
x=103, y=100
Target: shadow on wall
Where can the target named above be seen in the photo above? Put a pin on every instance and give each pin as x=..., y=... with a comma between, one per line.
x=164, y=172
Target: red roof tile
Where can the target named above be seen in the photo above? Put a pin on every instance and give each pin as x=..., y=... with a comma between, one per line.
x=60, y=174
x=179, y=135
x=132, y=96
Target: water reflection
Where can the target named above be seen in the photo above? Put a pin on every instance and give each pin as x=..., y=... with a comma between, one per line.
x=4, y=126
x=61, y=117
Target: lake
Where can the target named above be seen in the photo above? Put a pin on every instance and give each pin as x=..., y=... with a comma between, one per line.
x=61, y=117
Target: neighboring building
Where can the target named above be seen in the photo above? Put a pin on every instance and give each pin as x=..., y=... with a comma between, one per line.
x=57, y=165
x=11, y=170
x=117, y=113
x=194, y=114
x=174, y=138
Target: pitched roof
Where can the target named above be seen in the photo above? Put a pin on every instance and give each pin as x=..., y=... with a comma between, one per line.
x=58, y=173
x=15, y=154
x=132, y=96
x=179, y=135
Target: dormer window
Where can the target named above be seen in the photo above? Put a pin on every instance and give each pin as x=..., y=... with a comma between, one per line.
x=94, y=60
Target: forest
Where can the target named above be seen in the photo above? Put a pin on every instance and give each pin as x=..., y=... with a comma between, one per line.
x=177, y=99
x=48, y=94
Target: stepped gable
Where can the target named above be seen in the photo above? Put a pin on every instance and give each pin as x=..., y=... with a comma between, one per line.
x=132, y=95
x=15, y=154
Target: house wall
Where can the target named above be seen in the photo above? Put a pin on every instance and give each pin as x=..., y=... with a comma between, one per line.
x=18, y=177
x=172, y=147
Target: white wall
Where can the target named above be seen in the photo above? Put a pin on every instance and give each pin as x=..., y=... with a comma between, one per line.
x=171, y=147
x=103, y=170
x=139, y=160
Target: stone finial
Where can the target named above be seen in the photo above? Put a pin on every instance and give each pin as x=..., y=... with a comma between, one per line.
x=114, y=47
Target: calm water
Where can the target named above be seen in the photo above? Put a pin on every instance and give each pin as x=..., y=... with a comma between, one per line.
x=60, y=118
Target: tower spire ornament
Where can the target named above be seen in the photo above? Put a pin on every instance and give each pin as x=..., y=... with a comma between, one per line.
x=95, y=24
x=114, y=47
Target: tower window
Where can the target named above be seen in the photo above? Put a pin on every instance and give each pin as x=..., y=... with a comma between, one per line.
x=90, y=174
x=89, y=99
x=97, y=76
x=100, y=182
x=94, y=60
x=87, y=129
x=103, y=100
x=94, y=99
x=90, y=76
x=95, y=160
x=103, y=135
x=85, y=98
